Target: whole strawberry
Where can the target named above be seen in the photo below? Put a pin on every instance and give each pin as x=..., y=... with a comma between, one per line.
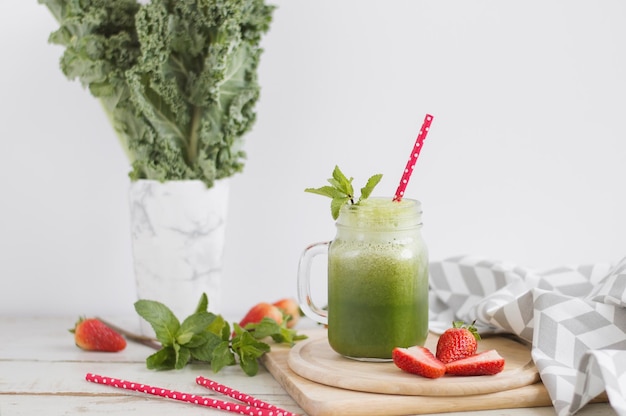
x=457, y=342
x=93, y=335
x=259, y=311
x=290, y=309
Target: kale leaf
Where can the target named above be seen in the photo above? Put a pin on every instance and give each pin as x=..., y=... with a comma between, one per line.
x=177, y=78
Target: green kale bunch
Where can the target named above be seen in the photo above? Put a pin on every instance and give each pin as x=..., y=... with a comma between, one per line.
x=177, y=78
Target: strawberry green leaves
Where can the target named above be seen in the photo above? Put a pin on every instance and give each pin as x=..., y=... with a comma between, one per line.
x=207, y=337
x=341, y=190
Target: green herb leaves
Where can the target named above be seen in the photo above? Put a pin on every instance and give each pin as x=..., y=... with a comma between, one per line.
x=207, y=337
x=341, y=190
x=178, y=79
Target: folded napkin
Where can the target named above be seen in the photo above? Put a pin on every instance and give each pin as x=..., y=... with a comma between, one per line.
x=575, y=318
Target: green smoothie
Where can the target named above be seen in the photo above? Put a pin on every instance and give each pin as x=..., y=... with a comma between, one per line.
x=377, y=280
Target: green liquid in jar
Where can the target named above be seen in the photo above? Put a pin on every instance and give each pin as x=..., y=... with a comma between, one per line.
x=378, y=293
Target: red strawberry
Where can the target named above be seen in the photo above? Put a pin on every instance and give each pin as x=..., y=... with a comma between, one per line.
x=289, y=307
x=458, y=342
x=260, y=311
x=418, y=360
x=481, y=364
x=92, y=335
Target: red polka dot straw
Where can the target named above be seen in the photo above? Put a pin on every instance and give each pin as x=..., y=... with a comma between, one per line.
x=252, y=401
x=415, y=152
x=239, y=408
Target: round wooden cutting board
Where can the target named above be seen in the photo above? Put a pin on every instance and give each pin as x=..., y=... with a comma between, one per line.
x=315, y=360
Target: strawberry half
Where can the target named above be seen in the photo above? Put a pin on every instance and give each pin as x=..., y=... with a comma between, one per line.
x=418, y=360
x=93, y=335
x=457, y=342
x=481, y=364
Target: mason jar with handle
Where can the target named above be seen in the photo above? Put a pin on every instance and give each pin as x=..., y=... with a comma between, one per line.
x=377, y=280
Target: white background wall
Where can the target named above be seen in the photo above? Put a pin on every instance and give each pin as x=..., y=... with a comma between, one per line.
x=525, y=161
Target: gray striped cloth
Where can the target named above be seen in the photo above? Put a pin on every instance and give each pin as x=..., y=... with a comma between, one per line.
x=575, y=318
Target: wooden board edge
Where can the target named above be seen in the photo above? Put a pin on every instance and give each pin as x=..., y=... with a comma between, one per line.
x=534, y=395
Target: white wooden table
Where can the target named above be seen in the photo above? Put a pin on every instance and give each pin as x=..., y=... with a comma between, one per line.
x=42, y=372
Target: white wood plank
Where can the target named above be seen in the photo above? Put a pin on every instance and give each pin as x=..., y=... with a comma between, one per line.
x=34, y=405
x=40, y=362
x=42, y=372
x=32, y=377
x=37, y=405
x=49, y=339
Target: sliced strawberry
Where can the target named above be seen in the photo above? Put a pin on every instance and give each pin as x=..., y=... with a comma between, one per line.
x=418, y=360
x=481, y=364
x=93, y=335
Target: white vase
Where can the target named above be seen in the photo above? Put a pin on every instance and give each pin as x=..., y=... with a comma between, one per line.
x=178, y=230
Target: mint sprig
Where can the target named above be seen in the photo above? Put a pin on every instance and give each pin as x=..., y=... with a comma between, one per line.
x=341, y=190
x=207, y=337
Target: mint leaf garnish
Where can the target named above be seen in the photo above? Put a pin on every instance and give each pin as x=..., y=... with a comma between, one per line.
x=207, y=337
x=194, y=324
x=161, y=318
x=182, y=356
x=249, y=349
x=203, y=304
x=222, y=356
x=342, y=183
x=163, y=359
x=335, y=206
x=369, y=186
x=341, y=191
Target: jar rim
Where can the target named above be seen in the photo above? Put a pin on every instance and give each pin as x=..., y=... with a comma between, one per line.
x=381, y=213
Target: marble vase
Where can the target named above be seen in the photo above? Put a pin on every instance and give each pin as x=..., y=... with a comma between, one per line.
x=177, y=232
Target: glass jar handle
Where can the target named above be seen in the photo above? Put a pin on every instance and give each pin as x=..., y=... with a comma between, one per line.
x=304, y=282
